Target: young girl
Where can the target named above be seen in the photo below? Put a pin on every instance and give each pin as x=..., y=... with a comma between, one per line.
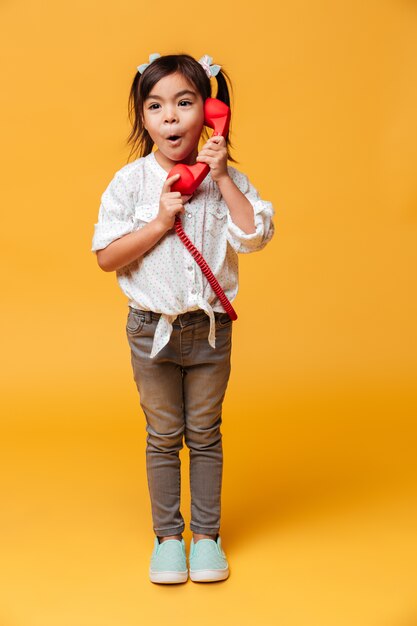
x=179, y=335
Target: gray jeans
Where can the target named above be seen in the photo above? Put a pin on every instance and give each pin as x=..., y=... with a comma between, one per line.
x=181, y=392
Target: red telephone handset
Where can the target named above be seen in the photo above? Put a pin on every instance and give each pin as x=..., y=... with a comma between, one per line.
x=216, y=116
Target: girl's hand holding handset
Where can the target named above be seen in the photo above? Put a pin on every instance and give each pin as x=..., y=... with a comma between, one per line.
x=214, y=153
x=170, y=203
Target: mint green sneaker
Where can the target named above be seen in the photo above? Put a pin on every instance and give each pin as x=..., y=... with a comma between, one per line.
x=207, y=560
x=168, y=562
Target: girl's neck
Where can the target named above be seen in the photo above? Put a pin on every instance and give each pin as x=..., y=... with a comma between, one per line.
x=168, y=164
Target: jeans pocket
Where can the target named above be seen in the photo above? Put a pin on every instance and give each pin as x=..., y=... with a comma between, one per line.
x=135, y=322
x=224, y=320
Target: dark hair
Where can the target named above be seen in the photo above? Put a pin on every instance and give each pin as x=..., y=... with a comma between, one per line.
x=143, y=83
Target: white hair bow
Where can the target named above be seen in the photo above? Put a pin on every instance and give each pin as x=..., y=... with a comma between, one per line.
x=152, y=57
x=211, y=70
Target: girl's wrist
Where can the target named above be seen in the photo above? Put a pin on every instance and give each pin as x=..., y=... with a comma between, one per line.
x=159, y=226
x=223, y=180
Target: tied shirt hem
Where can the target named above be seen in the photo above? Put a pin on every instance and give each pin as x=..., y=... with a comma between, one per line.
x=164, y=328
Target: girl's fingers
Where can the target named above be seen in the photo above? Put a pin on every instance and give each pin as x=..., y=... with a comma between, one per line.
x=217, y=140
x=206, y=158
x=166, y=188
x=209, y=152
x=211, y=146
x=177, y=201
x=175, y=205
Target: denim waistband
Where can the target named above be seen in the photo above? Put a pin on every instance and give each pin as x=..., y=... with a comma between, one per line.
x=189, y=317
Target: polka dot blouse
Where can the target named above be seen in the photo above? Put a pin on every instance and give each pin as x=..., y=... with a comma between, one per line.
x=167, y=279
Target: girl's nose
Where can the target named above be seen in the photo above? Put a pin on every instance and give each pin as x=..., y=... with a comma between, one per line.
x=171, y=116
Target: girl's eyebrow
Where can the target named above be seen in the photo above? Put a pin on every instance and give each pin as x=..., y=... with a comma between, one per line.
x=180, y=93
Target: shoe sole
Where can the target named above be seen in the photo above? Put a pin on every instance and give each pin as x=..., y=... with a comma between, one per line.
x=209, y=575
x=168, y=577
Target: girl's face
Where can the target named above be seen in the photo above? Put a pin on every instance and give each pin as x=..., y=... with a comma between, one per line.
x=174, y=108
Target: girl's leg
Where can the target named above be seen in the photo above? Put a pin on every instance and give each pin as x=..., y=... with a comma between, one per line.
x=206, y=375
x=159, y=382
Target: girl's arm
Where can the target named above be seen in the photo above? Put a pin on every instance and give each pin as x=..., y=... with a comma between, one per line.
x=214, y=153
x=130, y=247
x=241, y=210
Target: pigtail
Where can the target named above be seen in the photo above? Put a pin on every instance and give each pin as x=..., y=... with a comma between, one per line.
x=223, y=94
x=139, y=137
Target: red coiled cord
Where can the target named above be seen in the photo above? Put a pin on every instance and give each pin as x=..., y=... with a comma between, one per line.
x=205, y=268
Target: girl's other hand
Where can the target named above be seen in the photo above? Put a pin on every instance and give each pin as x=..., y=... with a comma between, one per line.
x=170, y=203
x=214, y=153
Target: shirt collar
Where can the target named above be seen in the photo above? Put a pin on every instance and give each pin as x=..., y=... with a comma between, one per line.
x=157, y=168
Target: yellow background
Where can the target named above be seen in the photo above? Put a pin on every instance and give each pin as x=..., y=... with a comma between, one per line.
x=319, y=423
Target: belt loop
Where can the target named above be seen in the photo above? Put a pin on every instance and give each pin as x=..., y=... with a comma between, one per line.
x=148, y=316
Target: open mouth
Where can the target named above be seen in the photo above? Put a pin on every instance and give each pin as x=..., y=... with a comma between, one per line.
x=174, y=138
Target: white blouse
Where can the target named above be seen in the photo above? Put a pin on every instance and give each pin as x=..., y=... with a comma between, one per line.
x=167, y=279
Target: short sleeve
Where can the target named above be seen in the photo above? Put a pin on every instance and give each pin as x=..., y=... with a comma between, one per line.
x=116, y=214
x=263, y=211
